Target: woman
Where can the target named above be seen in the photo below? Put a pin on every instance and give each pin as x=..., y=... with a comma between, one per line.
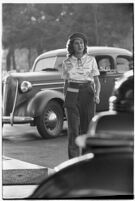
x=82, y=89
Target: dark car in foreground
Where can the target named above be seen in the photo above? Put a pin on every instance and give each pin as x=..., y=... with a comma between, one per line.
x=106, y=172
x=107, y=175
x=37, y=98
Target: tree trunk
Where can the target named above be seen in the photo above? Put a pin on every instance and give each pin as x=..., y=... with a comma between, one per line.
x=96, y=23
x=13, y=58
x=29, y=58
x=8, y=66
x=10, y=59
x=39, y=49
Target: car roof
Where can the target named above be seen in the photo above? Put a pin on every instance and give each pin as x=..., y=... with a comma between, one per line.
x=91, y=50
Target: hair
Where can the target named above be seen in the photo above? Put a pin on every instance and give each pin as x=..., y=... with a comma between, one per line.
x=70, y=42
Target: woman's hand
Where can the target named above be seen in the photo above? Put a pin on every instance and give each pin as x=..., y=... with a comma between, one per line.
x=97, y=99
x=97, y=89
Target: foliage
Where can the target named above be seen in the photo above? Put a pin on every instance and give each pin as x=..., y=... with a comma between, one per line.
x=47, y=26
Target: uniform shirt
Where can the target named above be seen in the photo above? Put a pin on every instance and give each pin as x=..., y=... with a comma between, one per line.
x=80, y=69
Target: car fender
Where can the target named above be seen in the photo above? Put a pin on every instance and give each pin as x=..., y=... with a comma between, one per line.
x=40, y=100
x=97, y=175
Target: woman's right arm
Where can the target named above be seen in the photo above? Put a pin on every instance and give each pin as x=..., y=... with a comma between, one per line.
x=65, y=76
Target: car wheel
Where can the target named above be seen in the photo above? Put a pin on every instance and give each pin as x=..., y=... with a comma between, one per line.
x=50, y=122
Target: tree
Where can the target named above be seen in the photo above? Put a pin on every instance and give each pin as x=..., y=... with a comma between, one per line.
x=12, y=26
x=47, y=26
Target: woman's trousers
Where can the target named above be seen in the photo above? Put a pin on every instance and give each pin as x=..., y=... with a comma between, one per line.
x=80, y=108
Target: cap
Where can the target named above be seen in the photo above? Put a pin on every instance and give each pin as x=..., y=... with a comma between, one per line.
x=78, y=35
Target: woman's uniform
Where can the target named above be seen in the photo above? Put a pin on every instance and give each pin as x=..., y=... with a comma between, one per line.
x=79, y=96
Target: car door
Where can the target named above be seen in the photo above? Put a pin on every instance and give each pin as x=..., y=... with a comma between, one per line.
x=111, y=68
x=106, y=65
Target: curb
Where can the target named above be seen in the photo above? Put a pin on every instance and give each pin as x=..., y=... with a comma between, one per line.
x=11, y=163
x=15, y=171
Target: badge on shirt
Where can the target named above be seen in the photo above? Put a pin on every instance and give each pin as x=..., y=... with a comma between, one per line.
x=68, y=64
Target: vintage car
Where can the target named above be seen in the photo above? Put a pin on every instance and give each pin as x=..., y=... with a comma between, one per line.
x=106, y=172
x=36, y=97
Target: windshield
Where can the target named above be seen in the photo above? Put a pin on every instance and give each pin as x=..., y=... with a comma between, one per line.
x=45, y=63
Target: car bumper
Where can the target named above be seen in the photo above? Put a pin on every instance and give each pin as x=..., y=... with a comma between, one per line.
x=16, y=119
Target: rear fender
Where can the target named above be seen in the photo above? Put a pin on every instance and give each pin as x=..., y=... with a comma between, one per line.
x=40, y=100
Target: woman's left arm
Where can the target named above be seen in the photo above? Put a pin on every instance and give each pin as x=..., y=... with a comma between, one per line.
x=97, y=88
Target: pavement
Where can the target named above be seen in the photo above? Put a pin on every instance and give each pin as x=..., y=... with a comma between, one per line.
x=20, y=179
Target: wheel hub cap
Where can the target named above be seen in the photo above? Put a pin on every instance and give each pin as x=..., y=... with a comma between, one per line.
x=52, y=120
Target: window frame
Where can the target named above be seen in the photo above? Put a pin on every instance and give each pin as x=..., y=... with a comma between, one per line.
x=111, y=59
x=45, y=58
x=124, y=57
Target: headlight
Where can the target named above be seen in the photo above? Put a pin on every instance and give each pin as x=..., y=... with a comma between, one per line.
x=25, y=86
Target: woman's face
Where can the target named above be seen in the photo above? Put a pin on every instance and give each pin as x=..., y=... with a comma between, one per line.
x=78, y=45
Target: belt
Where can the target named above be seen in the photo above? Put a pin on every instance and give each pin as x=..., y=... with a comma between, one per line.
x=79, y=81
x=75, y=86
x=78, y=84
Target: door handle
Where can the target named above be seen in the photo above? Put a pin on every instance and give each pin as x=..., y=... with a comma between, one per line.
x=104, y=80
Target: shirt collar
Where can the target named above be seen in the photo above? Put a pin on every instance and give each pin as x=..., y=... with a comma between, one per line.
x=75, y=58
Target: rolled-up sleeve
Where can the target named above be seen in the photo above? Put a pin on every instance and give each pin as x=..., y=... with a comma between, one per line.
x=95, y=70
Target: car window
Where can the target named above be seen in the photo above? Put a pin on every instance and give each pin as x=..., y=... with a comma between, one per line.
x=123, y=64
x=105, y=63
x=59, y=61
x=46, y=63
